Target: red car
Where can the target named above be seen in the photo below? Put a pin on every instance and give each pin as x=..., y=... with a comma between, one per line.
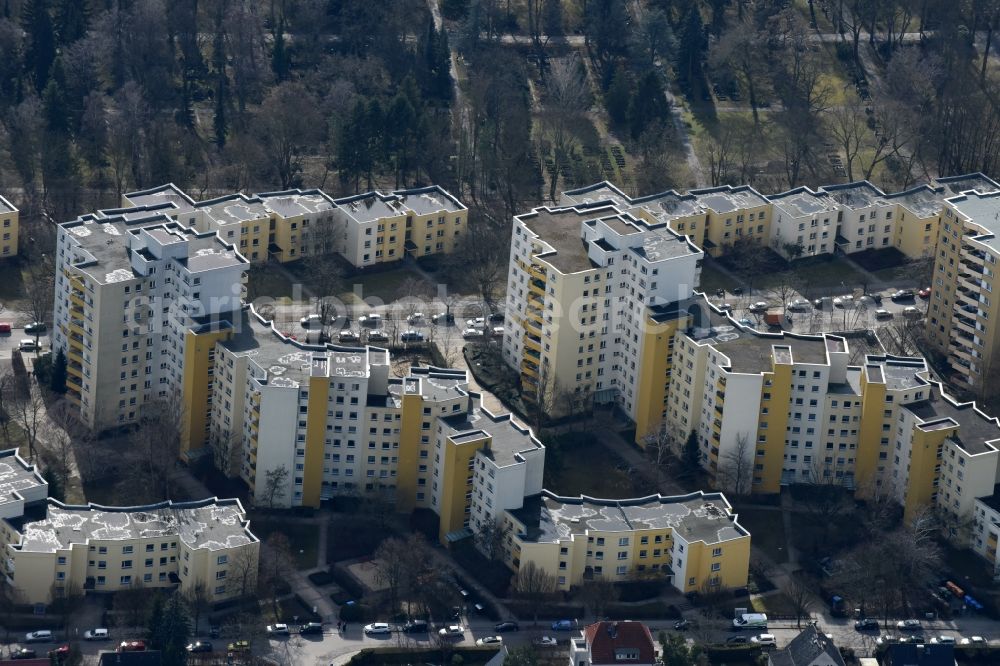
x=924, y=293
x=132, y=646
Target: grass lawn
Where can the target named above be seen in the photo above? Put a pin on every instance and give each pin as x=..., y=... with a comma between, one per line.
x=767, y=532
x=712, y=279
x=387, y=285
x=268, y=280
x=775, y=604
x=304, y=538
x=575, y=472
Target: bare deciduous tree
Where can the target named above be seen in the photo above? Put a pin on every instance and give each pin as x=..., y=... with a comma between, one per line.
x=597, y=594
x=736, y=466
x=534, y=585
x=275, y=482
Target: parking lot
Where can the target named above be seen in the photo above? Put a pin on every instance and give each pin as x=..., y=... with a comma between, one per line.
x=846, y=312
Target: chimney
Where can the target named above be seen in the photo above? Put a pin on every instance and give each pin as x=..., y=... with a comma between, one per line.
x=612, y=629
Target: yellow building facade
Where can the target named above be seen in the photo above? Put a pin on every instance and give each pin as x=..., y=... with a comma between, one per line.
x=694, y=539
x=9, y=229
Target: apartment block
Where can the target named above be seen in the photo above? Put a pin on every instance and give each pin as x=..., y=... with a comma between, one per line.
x=694, y=540
x=338, y=422
x=579, y=283
x=986, y=530
x=51, y=549
x=9, y=229
x=378, y=227
x=802, y=222
x=772, y=409
x=963, y=311
x=365, y=229
x=130, y=283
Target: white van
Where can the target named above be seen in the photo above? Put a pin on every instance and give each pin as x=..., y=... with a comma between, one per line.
x=750, y=621
x=98, y=634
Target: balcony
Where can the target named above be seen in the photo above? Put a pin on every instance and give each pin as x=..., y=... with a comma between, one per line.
x=532, y=343
x=536, y=272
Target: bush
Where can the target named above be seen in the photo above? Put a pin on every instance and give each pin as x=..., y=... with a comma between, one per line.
x=321, y=578
x=639, y=590
x=527, y=610
x=340, y=597
x=654, y=610
x=354, y=613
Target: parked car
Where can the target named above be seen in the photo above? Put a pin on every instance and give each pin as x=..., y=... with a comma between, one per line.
x=59, y=653
x=443, y=318
x=200, y=646
x=866, y=624
x=882, y=313
x=411, y=336
x=759, y=306
x=562, y=625
x=378, y=335
x=451, y=631
x=824, y=303
x=846, y=301
x=415, y=317
x=912, y=312
x=241, y=645
x=311, y=628
x=27, y=344
x=478, y=322
x=5, y=328
x=35, y=327
x=902, y=294
x=545, y=641
x=737, y=640
x=909, y=625
x=370, y=320
x=501, y=627
x=23, y=653
x=746, y=322
x=497, y=318
x=973, y=640
x=347, y=335
x=471, y=333
x=377, y=628
x=489, y=640
x=924, y=293
x=682, y=625
x=278, y=629
x=943, y=640
x=498, y=331
x=799, y=304
x=725, y=307
x=136, y=645
x=98, y=634
x=310, y=321
x=764, y=640
x=415, y=627
x=40, y=636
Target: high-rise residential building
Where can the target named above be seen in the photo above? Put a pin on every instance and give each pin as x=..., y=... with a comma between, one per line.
x=365, y=229
x=694, y=540
x=772, y=409
x=963, y=312
x=130, y=284
x=580, y=282
x=337, y=421
x=49, y=549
